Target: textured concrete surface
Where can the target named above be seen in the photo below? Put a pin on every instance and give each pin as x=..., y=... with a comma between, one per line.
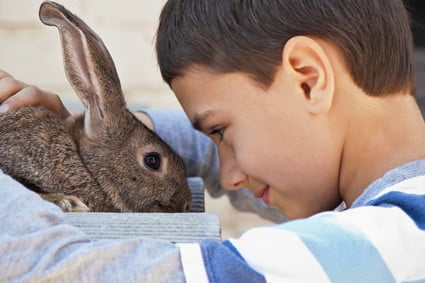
x=174, y=227
x=189, y=227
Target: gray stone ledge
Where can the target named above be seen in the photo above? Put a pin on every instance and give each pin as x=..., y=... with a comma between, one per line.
x=174, y=227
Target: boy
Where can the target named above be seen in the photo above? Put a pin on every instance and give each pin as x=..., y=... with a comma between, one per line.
x=310, y=104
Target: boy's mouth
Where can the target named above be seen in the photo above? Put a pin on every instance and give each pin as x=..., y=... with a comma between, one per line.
x=264, y=194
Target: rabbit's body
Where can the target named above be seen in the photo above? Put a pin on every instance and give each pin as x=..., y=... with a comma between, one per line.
x=107, y=159
x=39, y=149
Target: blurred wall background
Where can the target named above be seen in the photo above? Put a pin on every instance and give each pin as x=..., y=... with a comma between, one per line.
x=416, y=9
x=30, y=51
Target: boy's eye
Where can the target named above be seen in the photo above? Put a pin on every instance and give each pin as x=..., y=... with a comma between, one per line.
x=219, y=132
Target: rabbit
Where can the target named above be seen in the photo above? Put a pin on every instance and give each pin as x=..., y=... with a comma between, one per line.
x=108, y=160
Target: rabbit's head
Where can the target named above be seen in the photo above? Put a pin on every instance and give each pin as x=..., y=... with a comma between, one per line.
x=137, y=170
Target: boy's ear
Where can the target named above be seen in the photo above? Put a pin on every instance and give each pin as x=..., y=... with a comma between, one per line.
x=309, y=65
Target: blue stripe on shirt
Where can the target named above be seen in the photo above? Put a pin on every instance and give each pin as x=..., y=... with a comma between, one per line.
x=413, y=205
x=224, y=264
x=344, y=252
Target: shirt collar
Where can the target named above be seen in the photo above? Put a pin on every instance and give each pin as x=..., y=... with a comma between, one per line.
x=392, y=177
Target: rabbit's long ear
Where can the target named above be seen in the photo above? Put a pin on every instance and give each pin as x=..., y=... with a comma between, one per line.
x=89, y=69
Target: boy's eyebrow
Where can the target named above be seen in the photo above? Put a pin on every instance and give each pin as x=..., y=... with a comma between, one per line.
x=199, y=119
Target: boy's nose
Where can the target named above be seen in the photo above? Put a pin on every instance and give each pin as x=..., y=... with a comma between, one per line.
x=231, y=175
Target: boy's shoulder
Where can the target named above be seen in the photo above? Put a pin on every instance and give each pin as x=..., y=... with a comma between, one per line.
x=402, y=181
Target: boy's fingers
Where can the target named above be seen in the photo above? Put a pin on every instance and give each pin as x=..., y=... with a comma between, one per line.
x=3, y=74
x=31, y=95
x=8, y=87
x=15, y=94
x=24, y=97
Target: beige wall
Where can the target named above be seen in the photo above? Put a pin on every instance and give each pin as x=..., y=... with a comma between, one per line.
x=31, y=52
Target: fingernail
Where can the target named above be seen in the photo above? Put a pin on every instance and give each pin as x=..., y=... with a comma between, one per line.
x=4, y=108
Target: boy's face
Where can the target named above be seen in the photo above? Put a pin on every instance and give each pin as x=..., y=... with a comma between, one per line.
x=267, y=141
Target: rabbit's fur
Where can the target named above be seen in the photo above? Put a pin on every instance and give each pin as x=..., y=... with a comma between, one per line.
x=99, y=161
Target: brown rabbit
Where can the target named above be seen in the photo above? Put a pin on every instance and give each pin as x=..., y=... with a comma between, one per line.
x=108, y=160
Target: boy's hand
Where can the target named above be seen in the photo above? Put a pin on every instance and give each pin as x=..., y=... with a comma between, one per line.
x=15, y=94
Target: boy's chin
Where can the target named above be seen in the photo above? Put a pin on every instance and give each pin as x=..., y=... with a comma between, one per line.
x=293, y=215
x=296, y=206
x=296, y=211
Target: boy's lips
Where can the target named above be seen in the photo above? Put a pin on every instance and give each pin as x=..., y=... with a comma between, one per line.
x=264, y=194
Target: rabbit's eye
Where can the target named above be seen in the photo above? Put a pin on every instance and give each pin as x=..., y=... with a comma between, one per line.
x=153, y=160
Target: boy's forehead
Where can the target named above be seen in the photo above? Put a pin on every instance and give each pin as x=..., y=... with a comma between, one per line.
x=207, y=96
x=203, y=78
x=191, y=75
x=203, y=93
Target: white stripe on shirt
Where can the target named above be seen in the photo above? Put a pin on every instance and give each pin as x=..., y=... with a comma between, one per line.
x=193, y=263
x=396, y=237
x=279, y=255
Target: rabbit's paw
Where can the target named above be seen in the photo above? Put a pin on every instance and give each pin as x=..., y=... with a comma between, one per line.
x=66, y=202
x=72, y=204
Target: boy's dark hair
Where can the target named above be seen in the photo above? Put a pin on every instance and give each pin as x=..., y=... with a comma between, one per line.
x=248, y=36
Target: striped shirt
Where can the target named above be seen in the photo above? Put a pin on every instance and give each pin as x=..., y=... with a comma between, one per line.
x=381, y=239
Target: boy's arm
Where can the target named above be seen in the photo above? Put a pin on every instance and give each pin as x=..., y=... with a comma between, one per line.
x=199, y=154
x=36, y=246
